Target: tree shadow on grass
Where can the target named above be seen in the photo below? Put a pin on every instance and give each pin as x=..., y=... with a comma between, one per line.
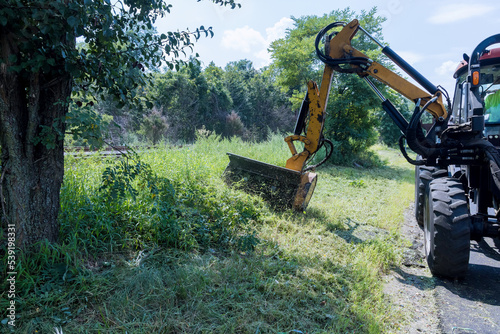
x=352, y=231
x=356, y=232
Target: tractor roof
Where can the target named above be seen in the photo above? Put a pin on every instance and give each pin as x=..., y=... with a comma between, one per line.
x=487, y=58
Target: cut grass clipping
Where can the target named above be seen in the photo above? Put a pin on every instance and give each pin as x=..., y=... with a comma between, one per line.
x=157, y=243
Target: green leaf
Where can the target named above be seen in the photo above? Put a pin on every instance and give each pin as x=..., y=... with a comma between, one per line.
x=72, y=21
x=12, y=58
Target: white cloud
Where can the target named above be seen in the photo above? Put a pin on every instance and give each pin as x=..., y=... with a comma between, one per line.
x=263, y=57
x=243, y=39
x=447, y=68
x=251, y=41
x=458, y=12
x=279, y=29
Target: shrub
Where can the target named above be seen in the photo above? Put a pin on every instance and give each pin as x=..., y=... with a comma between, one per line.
x=154, y=126
x=134, y=206
x=234, y=126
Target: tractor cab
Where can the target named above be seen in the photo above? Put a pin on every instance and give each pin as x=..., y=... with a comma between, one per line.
x=485, y=81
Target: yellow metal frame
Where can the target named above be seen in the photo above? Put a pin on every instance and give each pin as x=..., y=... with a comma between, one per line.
x=318, y=99
x=340, y=47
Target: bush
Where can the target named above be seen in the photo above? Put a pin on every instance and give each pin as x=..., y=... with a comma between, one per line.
x=154, y=126
x=234, y=126
x=351, y=129
x=135, y=207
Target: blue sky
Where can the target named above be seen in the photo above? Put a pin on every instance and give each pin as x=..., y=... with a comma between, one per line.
x=431, y=35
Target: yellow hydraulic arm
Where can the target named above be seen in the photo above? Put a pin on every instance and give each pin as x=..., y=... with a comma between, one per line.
x=317, y=101
x=339, y=54
x=294, y=185
x=341, y=48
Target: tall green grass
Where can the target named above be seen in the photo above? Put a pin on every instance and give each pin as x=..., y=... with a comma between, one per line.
x=163, y=197
x=180, y=252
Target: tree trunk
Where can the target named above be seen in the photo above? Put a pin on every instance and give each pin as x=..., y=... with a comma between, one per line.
x=32, y=171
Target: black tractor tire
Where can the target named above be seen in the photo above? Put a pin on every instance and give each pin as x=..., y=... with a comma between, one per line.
x=423, y=176
x=447, y=228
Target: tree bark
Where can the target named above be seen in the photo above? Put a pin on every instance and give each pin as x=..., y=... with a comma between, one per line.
x=31, y=174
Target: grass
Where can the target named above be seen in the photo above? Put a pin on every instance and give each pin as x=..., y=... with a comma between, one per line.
x=187, y=254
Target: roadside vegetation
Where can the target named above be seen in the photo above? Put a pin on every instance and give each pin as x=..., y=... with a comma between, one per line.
x=177, y=251
x=238, y=100
x=155, y=242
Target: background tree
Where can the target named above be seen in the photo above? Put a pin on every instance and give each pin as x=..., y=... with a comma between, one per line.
x=154, y=126
x=236, y=77
x=270, y=108
x=220, y=100
x=257, y=100
x=175, y=94
x=40, y=66
x=189, y=99
x=236, y=101
x=351, y=121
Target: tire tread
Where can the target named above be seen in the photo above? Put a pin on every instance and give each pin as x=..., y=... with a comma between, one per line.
x=448, y=254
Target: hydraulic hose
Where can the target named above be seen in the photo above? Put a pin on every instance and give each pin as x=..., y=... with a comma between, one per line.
x=412, y=137
x=405, y=154
x=327, y=155
x=335, y=63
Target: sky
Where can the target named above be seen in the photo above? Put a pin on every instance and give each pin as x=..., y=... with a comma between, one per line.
x=430, y=35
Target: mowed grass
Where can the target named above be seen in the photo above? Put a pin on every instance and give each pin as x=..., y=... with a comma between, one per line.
x=313, y=272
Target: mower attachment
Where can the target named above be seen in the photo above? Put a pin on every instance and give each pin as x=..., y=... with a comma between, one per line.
x=283, y=188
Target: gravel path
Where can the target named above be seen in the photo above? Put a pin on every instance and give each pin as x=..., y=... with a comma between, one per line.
x=411, y=287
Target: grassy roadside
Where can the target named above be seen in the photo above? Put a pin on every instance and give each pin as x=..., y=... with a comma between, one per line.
x=317, y=272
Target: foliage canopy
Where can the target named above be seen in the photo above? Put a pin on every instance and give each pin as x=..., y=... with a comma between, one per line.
x=41, y=66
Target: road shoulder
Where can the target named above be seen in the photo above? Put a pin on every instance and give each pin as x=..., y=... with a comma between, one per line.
x=411, y=287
